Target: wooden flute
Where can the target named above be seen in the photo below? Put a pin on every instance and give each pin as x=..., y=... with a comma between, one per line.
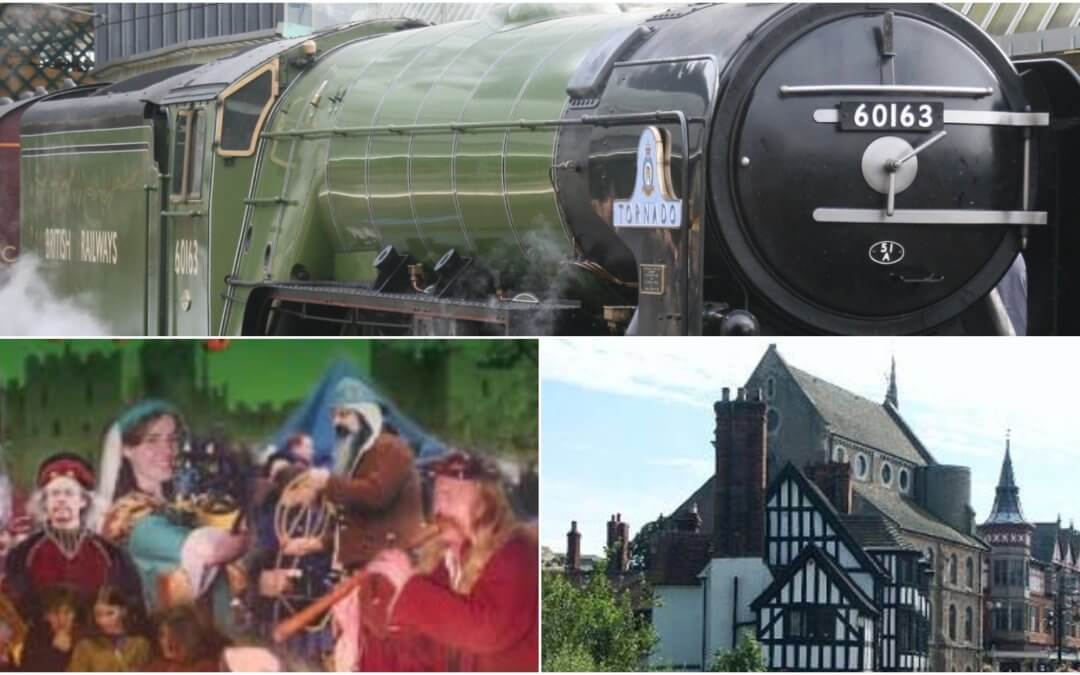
x=286, y=628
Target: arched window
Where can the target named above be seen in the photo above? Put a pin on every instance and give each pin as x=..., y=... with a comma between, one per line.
x=952, y=622
x=969, y=625
x=770, y=388
x=969, y=572
x=862, y=466
x=772, y=420
x=952, y=569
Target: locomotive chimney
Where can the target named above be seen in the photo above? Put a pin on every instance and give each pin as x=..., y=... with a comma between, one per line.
x=573, y=549
x=739, y=492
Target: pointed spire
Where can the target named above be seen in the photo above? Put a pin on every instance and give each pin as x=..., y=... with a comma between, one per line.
x=1007, y=479
x=1007, y=501
x=890, y=395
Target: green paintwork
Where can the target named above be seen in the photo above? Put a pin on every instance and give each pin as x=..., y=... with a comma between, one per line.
x=428, y=192
x=149, y=289
x=485, y=193
x=69, y=195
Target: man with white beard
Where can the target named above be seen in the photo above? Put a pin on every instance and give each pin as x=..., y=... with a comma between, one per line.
x=374, y=482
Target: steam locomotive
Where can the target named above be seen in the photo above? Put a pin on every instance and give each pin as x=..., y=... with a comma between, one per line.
x=721, y=169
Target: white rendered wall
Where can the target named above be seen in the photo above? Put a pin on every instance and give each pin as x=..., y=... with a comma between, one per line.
x=677, y=622
x=720, y=574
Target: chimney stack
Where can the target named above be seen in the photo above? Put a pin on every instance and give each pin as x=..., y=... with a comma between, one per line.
x=573, y=549
x=739, y=494
x=834, y=480
x=618, y=544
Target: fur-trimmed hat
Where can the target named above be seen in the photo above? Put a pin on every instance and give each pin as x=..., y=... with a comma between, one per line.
x=66, y=465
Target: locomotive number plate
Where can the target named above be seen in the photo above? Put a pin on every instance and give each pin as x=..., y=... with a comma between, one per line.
x=891, y=116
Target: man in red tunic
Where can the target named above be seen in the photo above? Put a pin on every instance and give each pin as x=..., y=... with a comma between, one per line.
x=477, y=608
x=65, y=552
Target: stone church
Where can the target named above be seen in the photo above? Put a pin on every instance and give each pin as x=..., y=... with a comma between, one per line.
x=893, y=523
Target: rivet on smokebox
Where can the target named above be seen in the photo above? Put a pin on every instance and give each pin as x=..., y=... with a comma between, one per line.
x=744, y=162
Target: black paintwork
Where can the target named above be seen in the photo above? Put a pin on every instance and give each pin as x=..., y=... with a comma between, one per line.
x=753, y=243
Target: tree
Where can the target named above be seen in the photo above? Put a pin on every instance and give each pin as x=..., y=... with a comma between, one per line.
x=747, y=656
x=641, y=546
x=589, y=626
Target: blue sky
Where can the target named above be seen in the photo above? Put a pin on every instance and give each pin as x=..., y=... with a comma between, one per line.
x=626, y=424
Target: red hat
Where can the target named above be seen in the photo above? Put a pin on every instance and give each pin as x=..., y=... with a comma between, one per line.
x=463, y=466
x=66, y=464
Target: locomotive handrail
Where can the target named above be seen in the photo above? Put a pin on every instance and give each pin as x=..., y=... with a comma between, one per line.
x=929, y=89
x=503, y=125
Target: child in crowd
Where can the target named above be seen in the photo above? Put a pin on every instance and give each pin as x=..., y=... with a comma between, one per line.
x=186, y=644
x=114, y=647
x=49, y=645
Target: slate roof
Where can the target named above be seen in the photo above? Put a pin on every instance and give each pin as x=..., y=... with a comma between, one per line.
x=1006, y=510
x=1043, y=540
x=907, y=515
x=703, y=497
x=903, y=512
x=859, y=419
x=875, y=532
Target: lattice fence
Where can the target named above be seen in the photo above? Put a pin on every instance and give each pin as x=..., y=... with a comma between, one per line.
x=40, y=45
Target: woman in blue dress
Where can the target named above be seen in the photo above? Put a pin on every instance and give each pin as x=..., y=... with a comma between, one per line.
x=179, y=561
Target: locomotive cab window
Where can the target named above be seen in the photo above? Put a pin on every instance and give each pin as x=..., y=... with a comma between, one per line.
x=187, y=155
x=242, y=109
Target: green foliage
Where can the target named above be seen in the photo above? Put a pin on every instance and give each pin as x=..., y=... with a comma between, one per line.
x=641, y=544
x=588, y=626
x=570, y=659
x=747, y=656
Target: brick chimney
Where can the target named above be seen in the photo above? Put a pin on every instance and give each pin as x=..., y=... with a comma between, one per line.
x=833, y=479
x=618, y=544
x=573, y=549
x=739, y=493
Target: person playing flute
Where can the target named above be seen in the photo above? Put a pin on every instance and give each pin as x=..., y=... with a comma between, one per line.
x=476, y=609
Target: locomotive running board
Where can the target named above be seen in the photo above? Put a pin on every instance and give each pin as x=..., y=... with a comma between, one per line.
x=505, y=313
x=930, y=217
